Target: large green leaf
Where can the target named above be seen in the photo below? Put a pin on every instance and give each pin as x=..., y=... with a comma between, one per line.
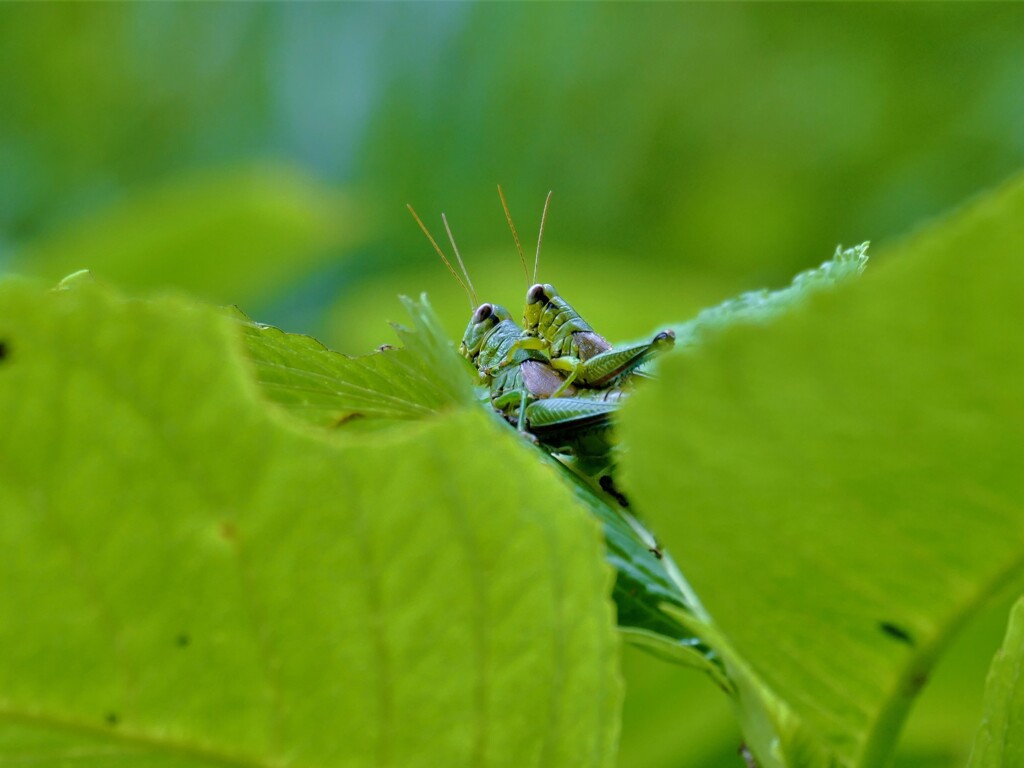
x=1000, y=741
x=843, y=487
x=191, y=577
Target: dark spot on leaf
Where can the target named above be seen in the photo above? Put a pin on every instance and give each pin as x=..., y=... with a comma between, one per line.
x=385, y=348
x=916, y=683
x=182, y=640
x=228, y=532
x=346, y=418
x=656, y=552
x=896, y=632
x=3, y=350
x=112, y=718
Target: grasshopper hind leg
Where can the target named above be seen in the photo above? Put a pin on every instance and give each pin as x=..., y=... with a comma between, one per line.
x=607, y=368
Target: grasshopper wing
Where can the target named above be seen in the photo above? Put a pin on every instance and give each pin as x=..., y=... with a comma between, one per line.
x=577, y=427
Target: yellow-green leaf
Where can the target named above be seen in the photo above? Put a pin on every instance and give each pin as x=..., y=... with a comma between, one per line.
x=192, y=577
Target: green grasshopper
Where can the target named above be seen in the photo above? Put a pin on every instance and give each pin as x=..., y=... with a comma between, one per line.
x=572, y=344
x=526, y=389
x=530, y=393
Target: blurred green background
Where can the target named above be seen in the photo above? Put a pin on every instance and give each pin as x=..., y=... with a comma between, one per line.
x=262, y=155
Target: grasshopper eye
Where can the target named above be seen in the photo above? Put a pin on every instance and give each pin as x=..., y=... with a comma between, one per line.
x=482, y=313
x=536, y=294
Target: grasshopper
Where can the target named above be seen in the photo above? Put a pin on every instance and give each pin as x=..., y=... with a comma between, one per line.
x=527, y=390
x=535, y=396
x=572, y=344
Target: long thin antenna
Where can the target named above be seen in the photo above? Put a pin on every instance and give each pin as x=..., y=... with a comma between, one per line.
x=440, y=253
x=540, y=235
x=465, y=272
x=515, y=236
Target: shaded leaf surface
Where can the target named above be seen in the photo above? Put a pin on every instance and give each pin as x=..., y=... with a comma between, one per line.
x=329, y=389
x=190, y=580
x=842, y=488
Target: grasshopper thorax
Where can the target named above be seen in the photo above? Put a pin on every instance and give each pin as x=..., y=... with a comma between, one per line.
x=481, y=326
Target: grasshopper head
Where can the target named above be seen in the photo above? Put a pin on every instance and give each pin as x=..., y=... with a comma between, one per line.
x=536, y=299
x=485, y=319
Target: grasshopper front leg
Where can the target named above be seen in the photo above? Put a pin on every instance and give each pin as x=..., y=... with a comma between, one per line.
x=514, y=397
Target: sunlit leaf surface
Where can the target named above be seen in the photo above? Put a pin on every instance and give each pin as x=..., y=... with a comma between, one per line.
x=190, y=578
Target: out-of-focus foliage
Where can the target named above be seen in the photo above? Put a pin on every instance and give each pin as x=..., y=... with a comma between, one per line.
x=229, y=237
x=1001, y=737
x=695, y=151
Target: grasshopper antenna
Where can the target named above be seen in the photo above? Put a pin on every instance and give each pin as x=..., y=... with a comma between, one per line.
x=515, y=236
x=465, y=272
x=440, y=253
x=540, y=234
